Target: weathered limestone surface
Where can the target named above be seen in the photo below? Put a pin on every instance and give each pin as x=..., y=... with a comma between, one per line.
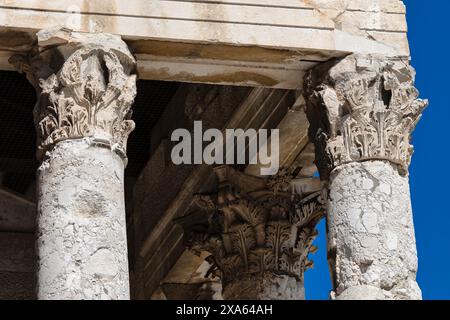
x=371, y=232
x=81, y=240
x=238, y=42
x=86, y=86
x=328, y=23
x=362, y=111
x=362, y=108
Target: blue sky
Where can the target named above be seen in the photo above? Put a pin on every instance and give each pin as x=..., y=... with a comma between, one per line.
x=429, y=29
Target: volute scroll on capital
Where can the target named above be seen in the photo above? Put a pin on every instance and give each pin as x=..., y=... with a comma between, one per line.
x=362, y=108
x=86, y=86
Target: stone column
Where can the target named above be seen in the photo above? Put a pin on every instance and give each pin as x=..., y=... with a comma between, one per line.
x=362, y=111
x=260, y=234
x=86, y=88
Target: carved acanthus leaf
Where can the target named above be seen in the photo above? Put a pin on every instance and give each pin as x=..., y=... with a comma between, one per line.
x=259, y=231
x=362, y=108
x=89, y=94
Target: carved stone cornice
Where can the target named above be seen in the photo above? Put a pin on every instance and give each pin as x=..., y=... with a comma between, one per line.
x=362, y=108
x=86, y=86
x=257, y=230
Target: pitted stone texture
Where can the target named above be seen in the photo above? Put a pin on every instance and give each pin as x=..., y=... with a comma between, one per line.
x=371, y=232
x=81, y=237
x=267, y=286
x=362, y=108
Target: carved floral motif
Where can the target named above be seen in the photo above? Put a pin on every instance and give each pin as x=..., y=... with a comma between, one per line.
x=89, y=95
x=258, y=231
x=362, y=108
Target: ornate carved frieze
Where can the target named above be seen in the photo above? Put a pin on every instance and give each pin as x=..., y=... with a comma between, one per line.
x=85, y=86
x=362, y=108
x=255, y=228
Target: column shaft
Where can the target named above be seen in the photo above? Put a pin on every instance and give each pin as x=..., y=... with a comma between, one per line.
x=81, y=241
x=371, y=232
x=362, y=110
x=86, y=86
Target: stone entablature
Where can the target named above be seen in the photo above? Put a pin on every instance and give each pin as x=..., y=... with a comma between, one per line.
x=242, y=42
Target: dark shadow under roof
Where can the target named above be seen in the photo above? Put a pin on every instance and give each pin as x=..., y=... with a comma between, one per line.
x=18, y=139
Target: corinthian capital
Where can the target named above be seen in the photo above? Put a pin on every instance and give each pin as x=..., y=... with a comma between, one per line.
x=86, y=87
x=256, y=227
x=362, y=108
